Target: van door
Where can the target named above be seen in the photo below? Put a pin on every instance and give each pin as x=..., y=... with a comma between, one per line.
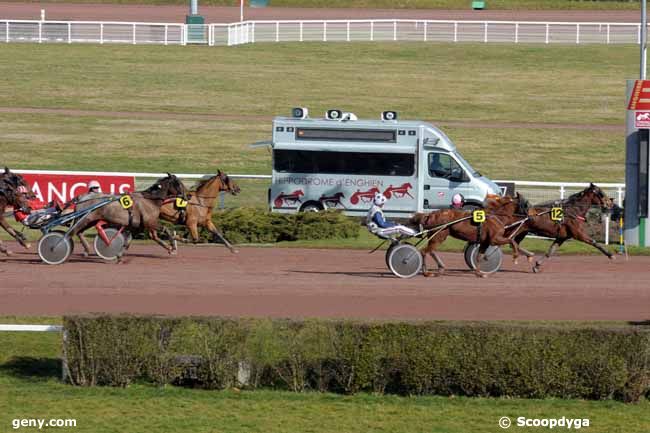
x=444, y=177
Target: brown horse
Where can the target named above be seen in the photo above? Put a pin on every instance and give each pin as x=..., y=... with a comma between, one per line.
x=198, y=212
x=9, y=183
x=500, y=213
x=142, y=215
x=572, y=223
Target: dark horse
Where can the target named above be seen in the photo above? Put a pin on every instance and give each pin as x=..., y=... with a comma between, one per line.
x=198, y=210
x=571, y=225
x=9, y=183
x=501, y=212
x=143, y=214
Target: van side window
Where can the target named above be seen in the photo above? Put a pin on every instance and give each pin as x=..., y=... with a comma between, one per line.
x=354, y=163
x=443, y=165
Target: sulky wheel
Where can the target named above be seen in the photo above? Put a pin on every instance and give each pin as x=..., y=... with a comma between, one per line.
x=490, y=262
x=55, y=248
x=404, y=260
x=115, y=248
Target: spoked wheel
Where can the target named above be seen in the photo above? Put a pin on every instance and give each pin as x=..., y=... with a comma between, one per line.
x=490, y=262
x=118, y=242
x=54, y=248
x=388, y=251
x=404, y=260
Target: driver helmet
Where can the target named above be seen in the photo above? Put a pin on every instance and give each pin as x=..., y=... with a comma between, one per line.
x=457, y=201
x=380, y=199
x=93, y=186
x=22, y=189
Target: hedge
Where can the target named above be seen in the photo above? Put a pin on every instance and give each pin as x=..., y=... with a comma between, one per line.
x=442, y=358
x=250, y=225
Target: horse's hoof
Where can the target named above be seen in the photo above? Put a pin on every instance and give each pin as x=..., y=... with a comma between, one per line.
x=530, y=259
x=8, y=253
x=85, y=254
x=516, y=261
x=427, y=274
x=27, y=246
x=536, y=269
x=612, y=257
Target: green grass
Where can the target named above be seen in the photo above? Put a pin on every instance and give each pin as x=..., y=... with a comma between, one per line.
x=30, y=388
x=403, y=4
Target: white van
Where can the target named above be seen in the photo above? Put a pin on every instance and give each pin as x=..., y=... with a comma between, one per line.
x=341, y=162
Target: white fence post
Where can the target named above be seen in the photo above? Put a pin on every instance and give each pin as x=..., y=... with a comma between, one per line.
x=40, y=32
x=456, y=31
x=253, y=33
x=608, y=33
x=301, y=31
x=277, y=31
x=101, y=33
x=425, y=31
x=395, y=30
x=578, y=33
x=69, y=33
x=562, y=192
x=619, y=196
x=516, y=33
x=485, y=30
x=133, y=33
x=547, y=33
x=606, y=229
x=324, y=31
x=166, y=34
x=7, y=32
x=347, y=29
x=372, y=31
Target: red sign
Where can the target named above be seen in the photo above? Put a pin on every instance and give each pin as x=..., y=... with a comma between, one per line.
x=64, y=187
x=640, y=99
x=642, y=119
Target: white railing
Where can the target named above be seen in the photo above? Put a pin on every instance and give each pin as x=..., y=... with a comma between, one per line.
x=319, y=30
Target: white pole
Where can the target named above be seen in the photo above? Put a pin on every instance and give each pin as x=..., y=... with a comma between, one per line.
x=42, y=14
x=241, y=11
x=643, y=39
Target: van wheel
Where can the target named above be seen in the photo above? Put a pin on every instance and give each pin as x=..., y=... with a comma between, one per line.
x=311, y=206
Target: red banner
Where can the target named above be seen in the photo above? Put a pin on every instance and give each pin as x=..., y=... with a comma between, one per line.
x=64, y=187
x=640, y=98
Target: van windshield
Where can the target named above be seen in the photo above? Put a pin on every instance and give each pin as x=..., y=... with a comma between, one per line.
x=467, y=165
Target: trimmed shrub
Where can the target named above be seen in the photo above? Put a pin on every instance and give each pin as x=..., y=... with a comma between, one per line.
x=250, y=225
x=457, y=358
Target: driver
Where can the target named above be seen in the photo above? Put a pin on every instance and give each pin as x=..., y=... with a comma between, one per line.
x=457, y=201
x=378, y=225
x=40, y=211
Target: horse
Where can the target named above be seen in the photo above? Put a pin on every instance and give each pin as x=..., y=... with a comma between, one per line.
x=501, y=212
x=571, y=225
x=140, y=212
x=10, y=197
x=9, y=183
x=198, y=209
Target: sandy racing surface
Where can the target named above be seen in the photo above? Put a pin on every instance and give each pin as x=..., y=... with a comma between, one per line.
x=326, y=283
x=215, y=14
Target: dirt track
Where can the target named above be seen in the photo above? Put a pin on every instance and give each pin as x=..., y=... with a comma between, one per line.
x=213, y=14
x=325, y=283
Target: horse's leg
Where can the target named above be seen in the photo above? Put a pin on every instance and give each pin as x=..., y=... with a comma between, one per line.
x=519, y=239
x=581, y=236
x=554, y=246
x=14, y=234
x=5, y=250
x=215, y=231
x=432, y=245
x=84, y=243
x=154, y=235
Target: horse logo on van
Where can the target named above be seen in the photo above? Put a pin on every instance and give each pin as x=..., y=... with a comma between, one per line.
x=399, y=191
x=332, y=200
x=364, y=196
x=291, y=199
